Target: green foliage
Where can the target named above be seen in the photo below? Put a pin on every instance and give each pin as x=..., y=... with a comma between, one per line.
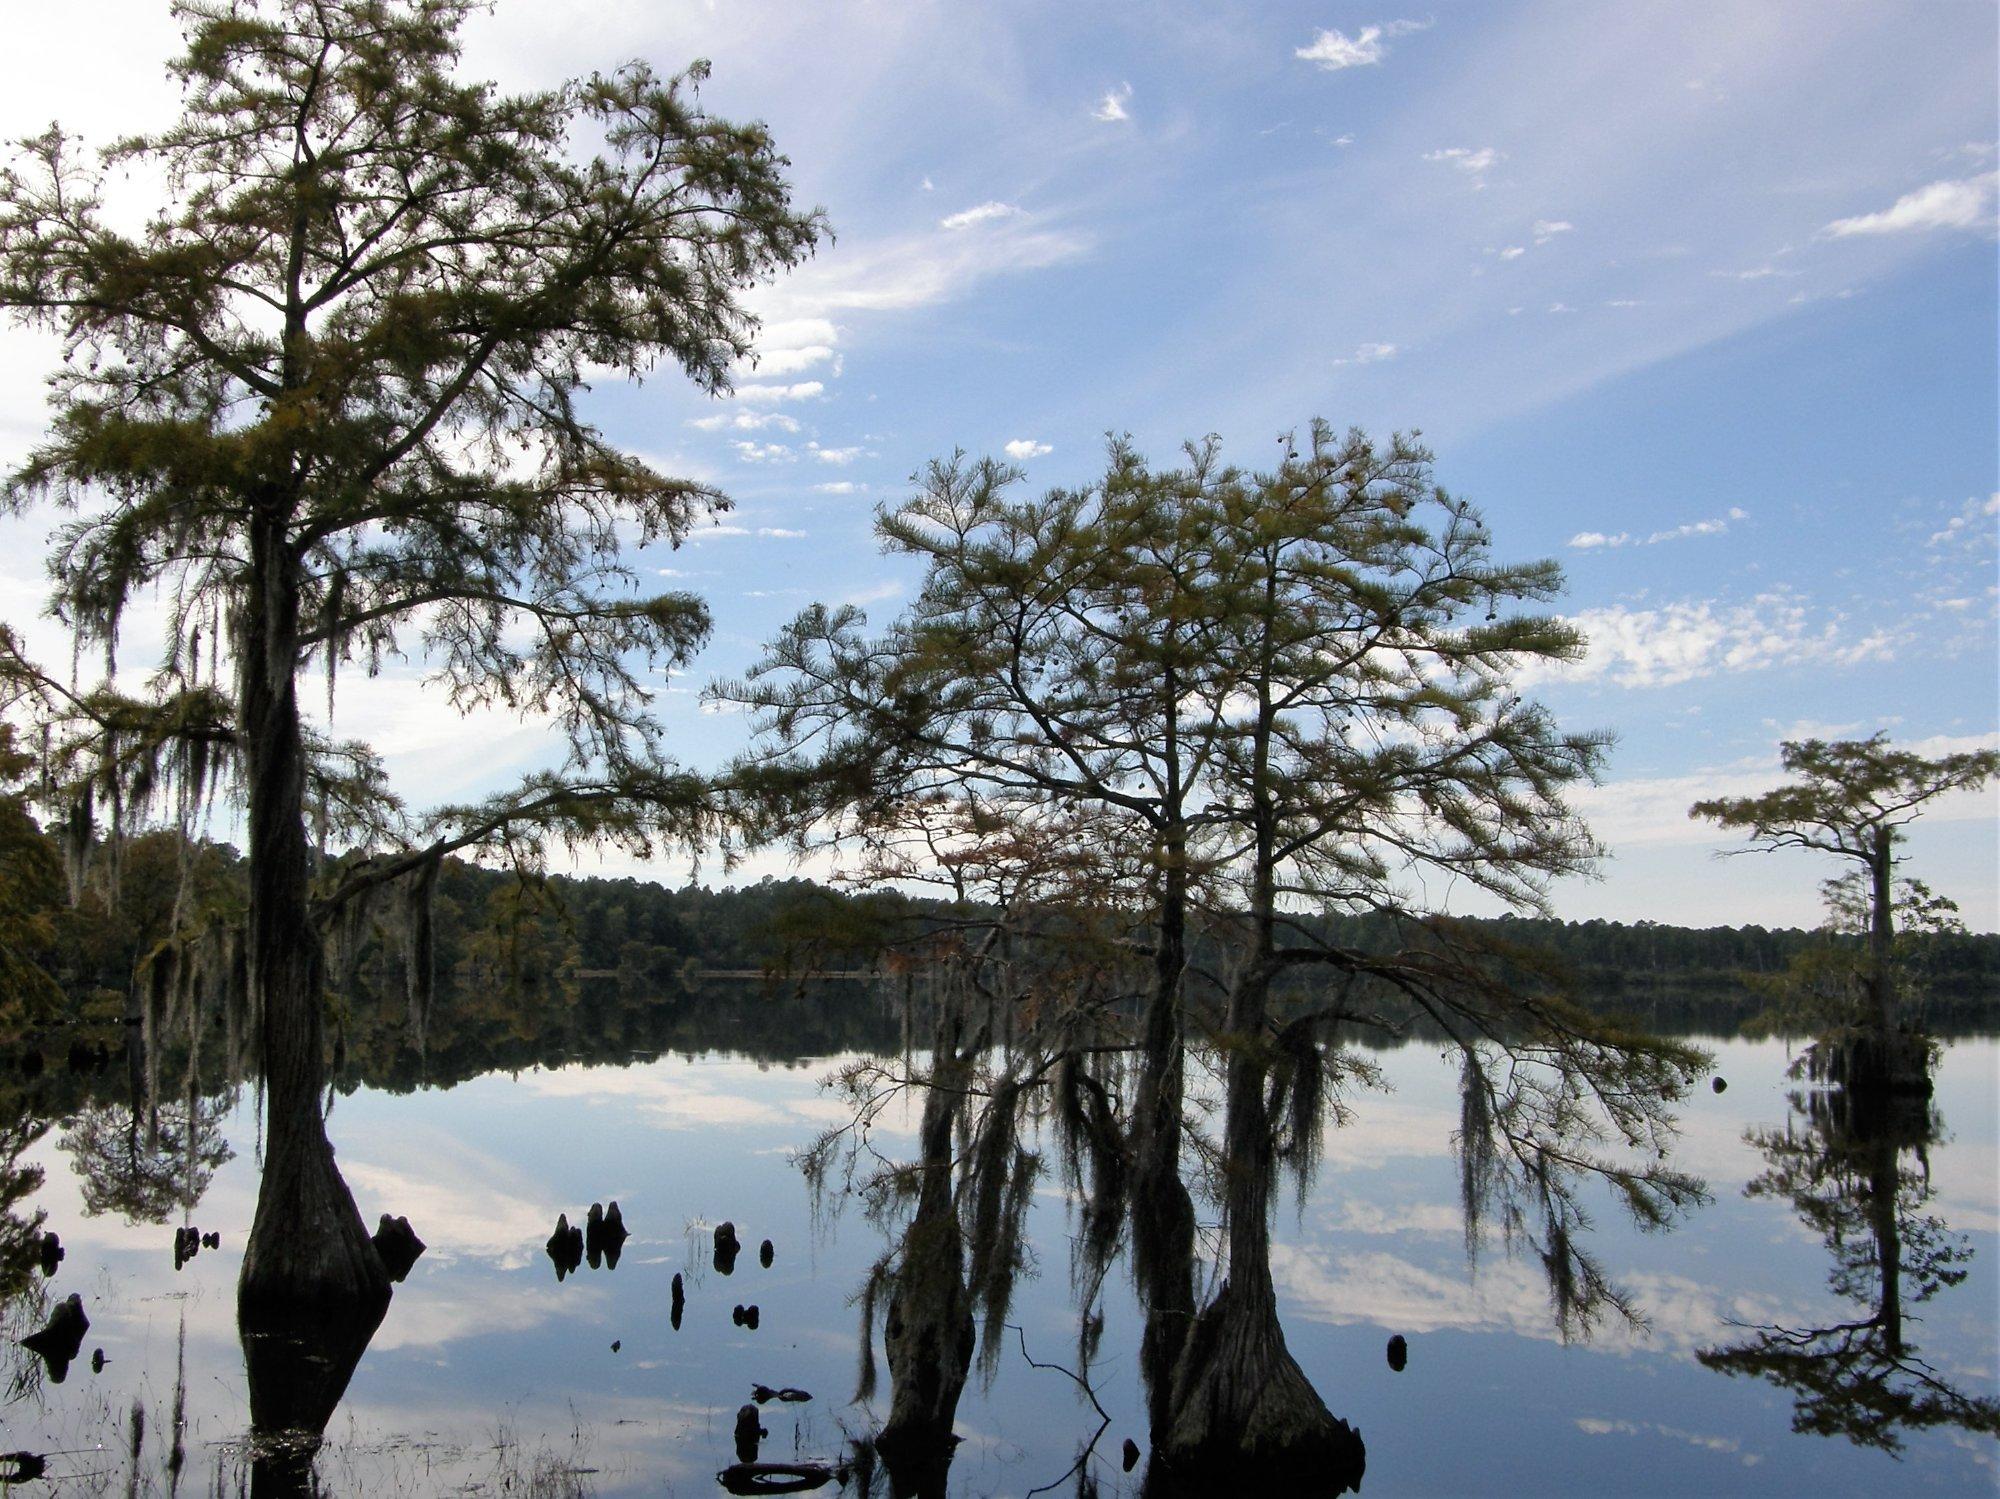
x=327, y=402
x=30, y=896
x=1851, y=795
x=1256, y=704
x=1851, y=800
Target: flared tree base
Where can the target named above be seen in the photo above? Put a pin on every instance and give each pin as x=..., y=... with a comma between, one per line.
x=1246, y=1420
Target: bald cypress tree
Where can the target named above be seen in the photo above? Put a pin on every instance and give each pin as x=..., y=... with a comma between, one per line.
x=326, y=400
x=1262, y=698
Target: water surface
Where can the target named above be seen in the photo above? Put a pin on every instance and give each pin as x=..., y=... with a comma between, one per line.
x=488, y=1372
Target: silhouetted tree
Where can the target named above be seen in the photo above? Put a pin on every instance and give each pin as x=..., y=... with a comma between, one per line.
x=1852, y=798
x=1253, y=695
x=327, y=402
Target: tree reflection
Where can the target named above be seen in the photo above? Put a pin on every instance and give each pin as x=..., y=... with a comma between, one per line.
x=1858, y=1174
x=147, y=1165
x=299, y=1362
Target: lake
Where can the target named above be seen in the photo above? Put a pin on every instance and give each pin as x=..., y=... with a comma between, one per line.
x=490, y=1375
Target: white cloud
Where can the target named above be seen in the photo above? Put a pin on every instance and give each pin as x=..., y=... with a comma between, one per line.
x=1023, y=448
x=791, y=361
x=918, y=270
x=839, y=456
x=1561, y=307
x=780, y=533
x=1585, y=541
x=1513, y=252
x=764, y=452
x=770, y=395
x=843, y=486
x=1332, y=51
x=1548, y=229
x=1966, y=203
x=1692, y=528
x=1684, y=641
x=1111, y=108
x=1343, y=140
x=1965, y=526
x=982, y=213
x=745, y=421
x=1654, y=809
x=1474, y=163
x=1370, y=354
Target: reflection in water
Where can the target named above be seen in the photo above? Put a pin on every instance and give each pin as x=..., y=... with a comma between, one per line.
x=1857, y=1171
x=299, y=1359
x=147, y=1165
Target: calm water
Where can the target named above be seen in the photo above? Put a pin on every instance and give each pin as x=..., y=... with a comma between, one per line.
x=488, y=1371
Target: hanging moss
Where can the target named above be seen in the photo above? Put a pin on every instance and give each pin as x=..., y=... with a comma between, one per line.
x=418, y=892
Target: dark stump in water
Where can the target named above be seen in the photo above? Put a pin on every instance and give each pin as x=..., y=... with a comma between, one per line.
x=61, y=1338
x=749, y=1432
x=765, y=1254
x=612, y=1235
x=565, y=1247
x=1399, y=1353
x=398, y=1245
x=727, y=1247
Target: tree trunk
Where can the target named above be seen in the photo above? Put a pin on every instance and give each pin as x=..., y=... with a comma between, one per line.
x=1162, y=1212
x=1244, y=1417
x=307, y=1248
x=1881, y=933
x=929, y=1334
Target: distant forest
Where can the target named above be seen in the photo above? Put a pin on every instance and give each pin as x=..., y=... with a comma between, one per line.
x=498, y=933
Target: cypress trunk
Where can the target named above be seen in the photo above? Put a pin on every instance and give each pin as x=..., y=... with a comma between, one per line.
x=1162, y=1212
x=929, y=1334
x=1244, y=1417
x=308, y=1248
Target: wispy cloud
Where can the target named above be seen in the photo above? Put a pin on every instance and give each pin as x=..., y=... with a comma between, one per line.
x=1965, y=526
x=1023, y=448
x=771, y=395
x=745, y=421
x=1370, y=354
x=981, y=213
x=764, y=452
x=1692, y=639
x=921, y=270
x=838, y=456
x=1548, y=229
x=1111, y=108
x=839, y=486
x=1475, y=163
x=1965, y=203
x=1333, y=51
x=1593, y=540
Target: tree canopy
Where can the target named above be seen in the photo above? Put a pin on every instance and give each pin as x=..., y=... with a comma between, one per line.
x=1852, y=798
x=1235, y=701
x=328, y=402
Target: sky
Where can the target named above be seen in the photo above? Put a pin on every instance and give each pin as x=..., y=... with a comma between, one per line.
x=1698, y=299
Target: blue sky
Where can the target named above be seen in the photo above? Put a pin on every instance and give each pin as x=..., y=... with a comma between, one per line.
x=1698, y=298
